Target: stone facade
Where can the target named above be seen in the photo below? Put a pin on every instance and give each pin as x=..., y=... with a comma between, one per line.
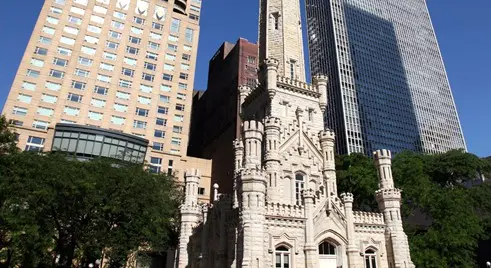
x=285, y=210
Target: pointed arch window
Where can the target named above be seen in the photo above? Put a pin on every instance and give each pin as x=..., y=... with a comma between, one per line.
x=370, y=258
x=282, y=257
x=299, y=186
x=327, y=248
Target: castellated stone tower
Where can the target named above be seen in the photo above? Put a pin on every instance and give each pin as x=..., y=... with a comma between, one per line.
x=285, y=210
x=327, y=139
x=389, y=201
x=252, y=197
x=280, y=37
x=190, y=214
x=271, y=160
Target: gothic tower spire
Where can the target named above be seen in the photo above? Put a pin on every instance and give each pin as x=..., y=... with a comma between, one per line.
x=280, y=36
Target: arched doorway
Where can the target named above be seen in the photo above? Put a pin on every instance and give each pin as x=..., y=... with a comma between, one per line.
x=327, y=255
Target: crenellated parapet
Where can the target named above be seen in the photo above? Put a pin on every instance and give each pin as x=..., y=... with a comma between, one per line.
x=271, y=63
x=381, y=155
x=274, y=209
x=347, y=198
x=369, y=218
x=327, y=137
x=308, y=194
x=297, y=86
x=252, y=172
x=389, y=194
x=192, y=173
x=253, y=129
x=272, y=123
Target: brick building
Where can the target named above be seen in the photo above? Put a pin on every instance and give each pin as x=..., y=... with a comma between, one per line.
x=215, y=117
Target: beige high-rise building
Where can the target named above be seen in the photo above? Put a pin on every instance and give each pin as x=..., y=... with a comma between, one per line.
x=121, y=65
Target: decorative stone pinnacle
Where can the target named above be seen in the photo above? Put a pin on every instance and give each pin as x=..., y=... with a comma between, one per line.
x=272, y=122
x=271, y=63
x=253, y=125
x=308, y=193
x=244, y=89
x=319, y=79
x=238, y=144
x=215, y=192
x=347, y=197
x=327, y=135
x=382, y=154
x=192, y=172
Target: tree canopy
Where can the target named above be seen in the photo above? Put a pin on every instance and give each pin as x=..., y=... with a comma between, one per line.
x=7, y=137
x=444, y=219
x=56, y=208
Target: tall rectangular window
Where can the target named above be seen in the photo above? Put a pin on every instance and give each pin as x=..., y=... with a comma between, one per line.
x=189, y=35
x=175, y=24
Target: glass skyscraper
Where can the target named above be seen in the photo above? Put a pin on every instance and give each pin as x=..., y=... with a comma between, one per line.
x=388, y=87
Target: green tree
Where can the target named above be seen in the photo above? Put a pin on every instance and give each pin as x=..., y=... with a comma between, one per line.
x=356, y=174
x=75, y=209
x=7, y=137
x=454, y=167
x=443, y=219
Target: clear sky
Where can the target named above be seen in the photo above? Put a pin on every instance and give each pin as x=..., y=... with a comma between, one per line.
x=463, y=29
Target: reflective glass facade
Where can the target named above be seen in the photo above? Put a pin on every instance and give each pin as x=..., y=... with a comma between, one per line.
x=388, y=87
x=89, y=142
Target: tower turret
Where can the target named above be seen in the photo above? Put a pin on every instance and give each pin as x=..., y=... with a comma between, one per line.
x=270, y=70
x=327, y=139
x=252, y=192
x=383, y=162
x=271, y=160
x=389, y=202
x=190, y=213
x=244, y=90
x=239, y=164
x=252, y=196
x=310, y=248
x=239, y=154
x=320, y=81
x=253, y=137
x=351, y=250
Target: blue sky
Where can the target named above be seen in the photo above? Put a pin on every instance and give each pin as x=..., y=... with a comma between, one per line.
x=463, y=29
